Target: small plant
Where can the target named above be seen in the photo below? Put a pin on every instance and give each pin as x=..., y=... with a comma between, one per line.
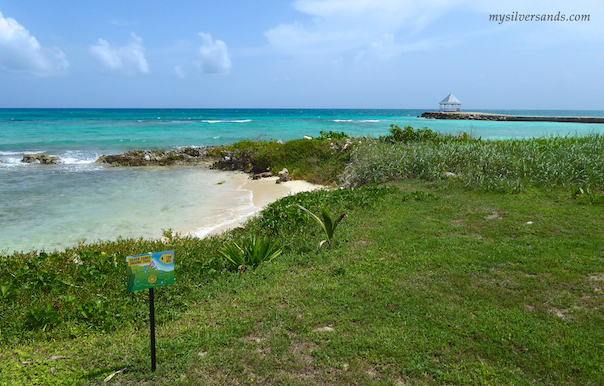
x=6, y=290
x=584, y=194
x=327, y=224
x=333, y=135
x=252, y=253
x=36, y=317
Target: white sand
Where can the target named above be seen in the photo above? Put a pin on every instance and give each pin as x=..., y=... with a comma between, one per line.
x=263, y=192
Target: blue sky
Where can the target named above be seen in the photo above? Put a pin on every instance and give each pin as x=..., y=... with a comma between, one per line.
x=300, y=54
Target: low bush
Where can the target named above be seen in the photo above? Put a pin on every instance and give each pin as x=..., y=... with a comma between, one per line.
x=252, y=252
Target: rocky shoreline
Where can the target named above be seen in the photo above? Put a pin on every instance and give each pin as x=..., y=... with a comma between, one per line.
x=184, y=156
x=240, y=160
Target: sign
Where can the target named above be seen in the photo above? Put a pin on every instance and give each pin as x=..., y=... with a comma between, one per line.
x=150, y=270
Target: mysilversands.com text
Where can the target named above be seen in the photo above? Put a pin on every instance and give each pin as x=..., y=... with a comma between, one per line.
x=517, y=16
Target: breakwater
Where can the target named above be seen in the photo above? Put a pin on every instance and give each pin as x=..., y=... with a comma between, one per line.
x=506, y=118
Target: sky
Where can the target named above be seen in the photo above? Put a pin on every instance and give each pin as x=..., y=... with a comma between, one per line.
x=383, y=54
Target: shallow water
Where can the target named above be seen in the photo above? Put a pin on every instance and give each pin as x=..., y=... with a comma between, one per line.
x=53, y=207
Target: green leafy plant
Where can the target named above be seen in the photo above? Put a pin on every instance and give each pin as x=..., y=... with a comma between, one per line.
x=253, y=252
x=584, y=194
x=326, y=222
x=410, y=134
x=333, y=135
x=5, y=290
x=44, y=316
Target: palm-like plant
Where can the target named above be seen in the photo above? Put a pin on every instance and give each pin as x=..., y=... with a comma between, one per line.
x=326, y=222
x=252, y=253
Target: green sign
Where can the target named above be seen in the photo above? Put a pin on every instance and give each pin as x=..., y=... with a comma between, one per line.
x=150, y=270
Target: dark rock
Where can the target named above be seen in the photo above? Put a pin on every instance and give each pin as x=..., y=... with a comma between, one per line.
x=262, y=175
x=192, y=151
x=283, y=173
x=283, y=176
x=42, y=158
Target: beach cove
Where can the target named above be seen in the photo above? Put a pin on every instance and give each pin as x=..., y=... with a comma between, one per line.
x=43, y=207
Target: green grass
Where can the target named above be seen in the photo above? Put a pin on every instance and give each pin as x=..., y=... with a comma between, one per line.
x=427, y=283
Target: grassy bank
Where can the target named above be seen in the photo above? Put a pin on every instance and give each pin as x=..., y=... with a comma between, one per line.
x=429, y=281
x=320, y=160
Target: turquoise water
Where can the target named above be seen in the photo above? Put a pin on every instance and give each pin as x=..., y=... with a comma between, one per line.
x=54, y=206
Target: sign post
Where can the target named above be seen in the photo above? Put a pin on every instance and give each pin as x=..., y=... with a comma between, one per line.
x=147, y=272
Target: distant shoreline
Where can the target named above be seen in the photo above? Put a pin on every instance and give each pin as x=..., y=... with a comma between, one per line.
x=476, y=116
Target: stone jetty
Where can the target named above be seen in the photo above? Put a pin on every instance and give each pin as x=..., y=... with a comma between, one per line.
x=506, y=118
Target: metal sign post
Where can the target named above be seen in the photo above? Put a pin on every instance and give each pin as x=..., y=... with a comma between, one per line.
x=147, y=272
x=152, y=322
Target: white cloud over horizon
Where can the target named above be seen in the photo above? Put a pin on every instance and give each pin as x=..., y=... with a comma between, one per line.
x=213, y=56
x=384, y=29
x=129, y=60
x=20, y=52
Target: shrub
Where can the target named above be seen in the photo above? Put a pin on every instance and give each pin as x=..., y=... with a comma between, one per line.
x=409, y=134
x=333, y=135
x=252, y=252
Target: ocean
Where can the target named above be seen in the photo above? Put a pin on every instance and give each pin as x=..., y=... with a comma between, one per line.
x=48, y=207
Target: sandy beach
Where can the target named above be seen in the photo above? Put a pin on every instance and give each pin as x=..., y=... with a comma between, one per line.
x=263, y=192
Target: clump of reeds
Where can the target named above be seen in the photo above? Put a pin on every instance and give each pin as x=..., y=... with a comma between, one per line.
x=507, y=165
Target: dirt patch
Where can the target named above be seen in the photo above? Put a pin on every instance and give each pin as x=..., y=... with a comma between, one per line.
x=457, y=223
x=561, y=313
x=494, y=216
x=597, y=277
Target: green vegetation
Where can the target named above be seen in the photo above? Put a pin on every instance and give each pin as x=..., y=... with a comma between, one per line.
x=252, y=252
x=498, y=166
x=432, y=280
x=326, y=222
x=319, y=160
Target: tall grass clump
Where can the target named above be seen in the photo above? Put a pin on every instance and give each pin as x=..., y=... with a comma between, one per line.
x=252, y=252
x=508, y=165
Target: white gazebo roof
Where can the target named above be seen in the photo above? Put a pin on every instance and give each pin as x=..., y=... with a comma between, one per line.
x=450, y=100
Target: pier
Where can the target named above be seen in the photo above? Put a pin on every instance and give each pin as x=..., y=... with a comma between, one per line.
x=472, y=116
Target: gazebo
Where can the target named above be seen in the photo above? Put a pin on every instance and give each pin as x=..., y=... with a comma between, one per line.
x=450, y=103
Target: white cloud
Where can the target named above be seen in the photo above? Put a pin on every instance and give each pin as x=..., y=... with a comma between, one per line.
x=384, y=29
x=340, y=26
x=129, y=59
x=20, y=52
x=179, y=72
x=213, y=56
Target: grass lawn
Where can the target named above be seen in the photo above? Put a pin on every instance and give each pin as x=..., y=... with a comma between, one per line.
x=427, y=283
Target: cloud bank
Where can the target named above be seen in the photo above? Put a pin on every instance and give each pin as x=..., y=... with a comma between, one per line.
x=129, y=60
x=213, y=56
x=20, y=52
